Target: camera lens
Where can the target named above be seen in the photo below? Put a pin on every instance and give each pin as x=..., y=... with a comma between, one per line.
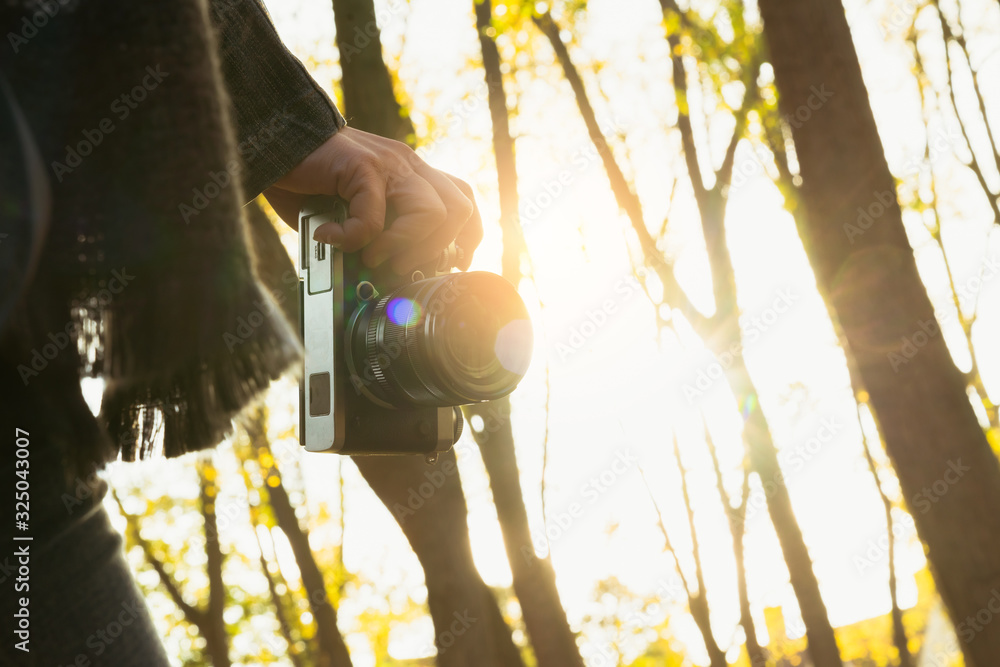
x=455, y=339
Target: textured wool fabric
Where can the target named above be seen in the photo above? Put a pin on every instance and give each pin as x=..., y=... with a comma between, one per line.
x=146, y=274
x=84, y=607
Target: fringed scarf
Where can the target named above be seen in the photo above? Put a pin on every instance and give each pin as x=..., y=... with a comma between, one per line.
x=146, y=278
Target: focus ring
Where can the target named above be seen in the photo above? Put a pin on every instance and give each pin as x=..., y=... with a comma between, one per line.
x=372, y=349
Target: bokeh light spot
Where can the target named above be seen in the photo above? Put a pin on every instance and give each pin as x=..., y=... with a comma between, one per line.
x=402, y=311
x=514, y=346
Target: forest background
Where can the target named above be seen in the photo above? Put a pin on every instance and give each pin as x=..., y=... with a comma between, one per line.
x=693, y=472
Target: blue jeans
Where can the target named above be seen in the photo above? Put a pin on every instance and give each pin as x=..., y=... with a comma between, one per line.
x=66, y=594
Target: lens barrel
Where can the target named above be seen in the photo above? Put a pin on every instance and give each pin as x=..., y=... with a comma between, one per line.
x=450, y=340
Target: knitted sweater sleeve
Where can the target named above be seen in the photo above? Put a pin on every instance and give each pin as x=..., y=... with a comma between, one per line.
x=280, y=114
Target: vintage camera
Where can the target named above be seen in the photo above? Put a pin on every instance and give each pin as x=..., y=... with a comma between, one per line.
x=387, y=357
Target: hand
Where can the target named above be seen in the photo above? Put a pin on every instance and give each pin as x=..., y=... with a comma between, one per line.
x=431, y=208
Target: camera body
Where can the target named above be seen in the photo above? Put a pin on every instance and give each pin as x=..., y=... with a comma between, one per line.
x=388, y=357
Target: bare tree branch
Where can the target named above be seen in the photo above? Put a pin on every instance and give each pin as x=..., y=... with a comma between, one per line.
x=737, y=528
x=194, y=615
x=973, y=376
x=272, y=587
x=959, y=37
x=689, y=511
x=668, y=545
x=626, y=198
x=217, y=640
x=973, y=162
x=898, y=631
x=723, y=176
x=331, y=642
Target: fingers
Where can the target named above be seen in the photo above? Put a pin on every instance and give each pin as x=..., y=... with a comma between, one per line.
x=370, y=172
x=440, y=209
x=347, y=164
x=428, y=250
x=471, y=234
x=364, y=186
x=418, y=211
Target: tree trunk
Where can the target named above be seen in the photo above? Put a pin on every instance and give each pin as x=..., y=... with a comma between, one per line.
x=790, y=191
x=503, y=148
x=429, y=505
x=764, y=461
x=279, y=604
x=946, y=469
x=437, y=529
x=208, y=620
x=720, y=332
x=534, y=579
x=365, y=80
x=216, y=638
x=332, y=649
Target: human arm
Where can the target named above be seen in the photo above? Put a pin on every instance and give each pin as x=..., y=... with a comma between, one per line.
x=293, y=142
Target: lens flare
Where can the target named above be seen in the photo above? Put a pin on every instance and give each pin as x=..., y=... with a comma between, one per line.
x=403, y=312
x=513, y=346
